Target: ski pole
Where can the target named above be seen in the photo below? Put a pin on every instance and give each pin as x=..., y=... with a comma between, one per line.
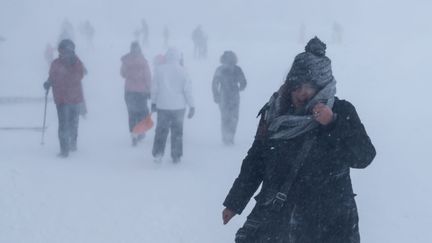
x=44, y=118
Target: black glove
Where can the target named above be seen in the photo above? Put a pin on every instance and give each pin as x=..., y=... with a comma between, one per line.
x=153, y=108
x=47, y=85
x=191, y=112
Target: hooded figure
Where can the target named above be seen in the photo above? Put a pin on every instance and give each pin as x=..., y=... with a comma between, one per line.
x=171, y=95
x=228, y=81
x=65, y=76
x=307, y=142
x=136, y=72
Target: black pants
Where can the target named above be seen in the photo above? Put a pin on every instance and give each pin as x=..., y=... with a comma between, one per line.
x=169, y=120
x=68, y=117
x=229, y=117
x=137, y=107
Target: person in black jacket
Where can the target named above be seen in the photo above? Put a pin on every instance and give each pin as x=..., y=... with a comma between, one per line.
x=227, y=83
x=306, y=143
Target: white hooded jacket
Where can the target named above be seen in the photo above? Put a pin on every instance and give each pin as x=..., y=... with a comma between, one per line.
x=171, y=88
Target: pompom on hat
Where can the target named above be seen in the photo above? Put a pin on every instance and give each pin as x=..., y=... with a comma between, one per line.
x=311, y=66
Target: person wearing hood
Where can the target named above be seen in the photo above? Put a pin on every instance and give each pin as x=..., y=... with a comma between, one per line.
x=228, y=81
x=65, y=76
x=171, y=95
x=136, y=72
x=307, y=142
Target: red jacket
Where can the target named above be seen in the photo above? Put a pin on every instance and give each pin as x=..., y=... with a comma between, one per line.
x=136, y=72
x=66, y=79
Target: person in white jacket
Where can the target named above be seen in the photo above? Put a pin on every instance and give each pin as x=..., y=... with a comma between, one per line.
x=171, y=95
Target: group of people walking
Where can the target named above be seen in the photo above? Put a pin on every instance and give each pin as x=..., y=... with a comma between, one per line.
x=167, y=86
x=306, y=142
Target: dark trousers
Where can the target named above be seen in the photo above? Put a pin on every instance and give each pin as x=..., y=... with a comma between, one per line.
x=169, y=120
x=137, y=107
x=68, y=117
x=305, y=225
x=229, y=117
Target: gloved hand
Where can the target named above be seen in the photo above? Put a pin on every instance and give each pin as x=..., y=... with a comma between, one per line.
x=47, y=85
x=153, y=108
x=191, y=112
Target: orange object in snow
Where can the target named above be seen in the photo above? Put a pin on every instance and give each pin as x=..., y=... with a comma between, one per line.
x=143, y=126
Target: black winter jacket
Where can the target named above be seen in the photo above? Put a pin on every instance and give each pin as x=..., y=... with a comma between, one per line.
x=228, y=81
x=322, y=193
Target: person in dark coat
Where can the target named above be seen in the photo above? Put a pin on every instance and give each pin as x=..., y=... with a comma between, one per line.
x=65, y=76
x=136, y=72
x=307, y=139
x=227, y=83
x=199, y=39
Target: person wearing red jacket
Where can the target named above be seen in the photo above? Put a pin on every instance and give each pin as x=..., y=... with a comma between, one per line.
x=136, y=72
x=65, y=76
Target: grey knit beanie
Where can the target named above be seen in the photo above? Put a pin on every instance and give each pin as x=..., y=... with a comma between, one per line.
x=311, y=66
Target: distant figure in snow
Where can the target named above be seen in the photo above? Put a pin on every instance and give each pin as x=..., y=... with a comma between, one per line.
x=136, y=72
x=65, y=76
x=228, y=81
x=166, y=36
x=199, y=39
x=67, y=31
x=49, y=53
x=302, y=34
x=171, y=94
x=88, y=31
x=2, y=39
x=337, y=33
x=144, y=32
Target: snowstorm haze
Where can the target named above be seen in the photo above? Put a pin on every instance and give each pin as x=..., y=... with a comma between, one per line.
x=110, y=192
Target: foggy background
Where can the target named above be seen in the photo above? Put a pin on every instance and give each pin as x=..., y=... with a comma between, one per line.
x=111, y=192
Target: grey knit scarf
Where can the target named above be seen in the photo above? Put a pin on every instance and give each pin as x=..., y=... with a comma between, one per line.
x=287, y=126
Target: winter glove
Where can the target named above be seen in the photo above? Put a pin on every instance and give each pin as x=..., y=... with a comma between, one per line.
x=227, y=215
x=47, y=85
x=153, y=108
x=191, y=112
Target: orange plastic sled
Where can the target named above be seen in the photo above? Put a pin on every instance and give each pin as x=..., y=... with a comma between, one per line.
x=143, y=126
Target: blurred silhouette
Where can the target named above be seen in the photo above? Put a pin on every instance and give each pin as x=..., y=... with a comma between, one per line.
x=166, y=36
x=65, y=76
x=199, y=39
x=49, y=53
x=66, y=31
x=337, y=33
x=88, y=31
x=136, y=72
x=302, y=34
x=144, y=32
x=228, y=81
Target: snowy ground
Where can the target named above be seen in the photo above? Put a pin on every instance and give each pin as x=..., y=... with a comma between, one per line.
x=110, y=192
